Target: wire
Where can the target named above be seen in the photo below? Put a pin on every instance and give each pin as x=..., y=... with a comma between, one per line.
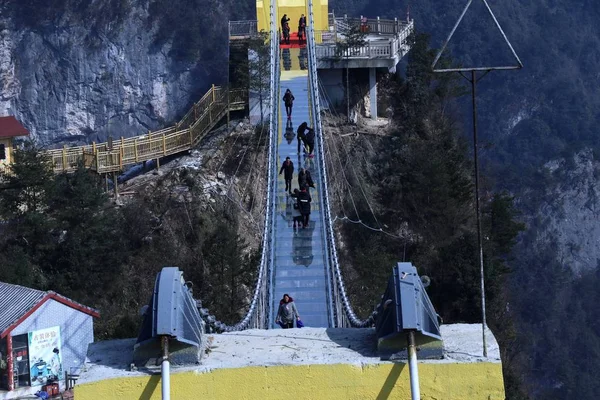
x=360, y=185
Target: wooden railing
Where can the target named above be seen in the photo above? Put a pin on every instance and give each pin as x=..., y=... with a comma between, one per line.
x=114, y=156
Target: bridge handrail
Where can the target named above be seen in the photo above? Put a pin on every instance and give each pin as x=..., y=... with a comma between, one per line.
x=336, y=281
x=334, y=313
x=257, y=315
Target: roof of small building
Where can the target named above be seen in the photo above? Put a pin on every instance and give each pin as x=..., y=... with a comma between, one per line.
x=11, y=127
x=18, y=302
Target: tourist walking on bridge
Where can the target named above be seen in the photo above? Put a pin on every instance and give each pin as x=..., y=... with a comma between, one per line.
x=301, y=132
x=288, y=168
x=310, y=141
x=287, y=312
x=304, y=205
x=305, y=179
x=288, y=99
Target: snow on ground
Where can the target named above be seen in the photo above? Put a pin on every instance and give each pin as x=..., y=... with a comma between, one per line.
x=462, y=344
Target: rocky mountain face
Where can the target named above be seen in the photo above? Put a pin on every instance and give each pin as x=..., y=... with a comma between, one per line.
x=71, y=76
x=569, y=215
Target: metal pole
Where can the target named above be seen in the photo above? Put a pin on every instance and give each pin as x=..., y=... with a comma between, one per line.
x=165, y=369
x=413, y=368
x=477, y=208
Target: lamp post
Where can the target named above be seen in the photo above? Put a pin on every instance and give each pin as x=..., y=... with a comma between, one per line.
x=473, y=79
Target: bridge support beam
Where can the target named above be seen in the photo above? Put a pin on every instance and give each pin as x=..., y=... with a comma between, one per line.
x=373, y=92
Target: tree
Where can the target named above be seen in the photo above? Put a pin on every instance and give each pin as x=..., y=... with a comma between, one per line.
x=353, y=40
x=258, y=72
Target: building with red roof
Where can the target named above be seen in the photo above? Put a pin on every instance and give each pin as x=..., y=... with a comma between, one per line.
x=10, y=128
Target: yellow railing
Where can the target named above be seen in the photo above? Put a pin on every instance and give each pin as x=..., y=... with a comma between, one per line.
x=112, y=157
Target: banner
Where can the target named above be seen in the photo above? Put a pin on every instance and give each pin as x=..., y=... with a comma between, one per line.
x=45, y=355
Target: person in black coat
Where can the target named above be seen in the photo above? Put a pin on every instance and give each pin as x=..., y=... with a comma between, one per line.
x=288, y=169
x=284, y=20
x=304, y=206
x=288, y=99
x=309, y=139
x=302, y=28
x=305, y=179
x=301, y=134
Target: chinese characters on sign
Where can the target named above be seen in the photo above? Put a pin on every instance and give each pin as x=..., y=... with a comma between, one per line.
x=45, y=355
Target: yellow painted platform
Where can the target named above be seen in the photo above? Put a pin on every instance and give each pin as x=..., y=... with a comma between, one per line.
x=294, y=9
x=439, y=381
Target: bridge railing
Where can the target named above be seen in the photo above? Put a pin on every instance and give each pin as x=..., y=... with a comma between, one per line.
x=396, y=43
x=115, y=155
x=260, y=305
x=343, y=313
x=242, y=29
x=371, y=25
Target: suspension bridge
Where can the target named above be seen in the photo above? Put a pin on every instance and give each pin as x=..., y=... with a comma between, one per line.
x=300, y=262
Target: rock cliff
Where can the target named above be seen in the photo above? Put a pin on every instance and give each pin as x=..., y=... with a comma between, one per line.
x=78, y=78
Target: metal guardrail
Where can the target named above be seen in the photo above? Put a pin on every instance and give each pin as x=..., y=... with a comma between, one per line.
x=242, y=29
x=258, y=313
x=372, y=25
x=334, y=313
x=112, y=157
x=343, y=312
x=396, y=43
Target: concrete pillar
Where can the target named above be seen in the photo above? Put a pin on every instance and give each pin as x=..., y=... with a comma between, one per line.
x=373, y=92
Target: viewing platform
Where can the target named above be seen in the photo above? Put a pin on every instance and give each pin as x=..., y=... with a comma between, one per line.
x=386, y=41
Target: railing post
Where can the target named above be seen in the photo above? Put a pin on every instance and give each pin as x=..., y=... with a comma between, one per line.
x=191, y=137
x=64, y=157
x=164, y=140
x=396, y=25
x=213, y=93
x=135, y=149
x=121, y=155
x=378, y=26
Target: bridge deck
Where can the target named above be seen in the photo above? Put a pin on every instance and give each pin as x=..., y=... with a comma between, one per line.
x=299, y=254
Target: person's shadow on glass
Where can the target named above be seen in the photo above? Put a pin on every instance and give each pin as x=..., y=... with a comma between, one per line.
x=289, y=132
x=287, y=59
x=302, y=245
x=303, y=58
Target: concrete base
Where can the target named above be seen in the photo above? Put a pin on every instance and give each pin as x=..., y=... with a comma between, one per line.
x=337, y=381
x=321, y=363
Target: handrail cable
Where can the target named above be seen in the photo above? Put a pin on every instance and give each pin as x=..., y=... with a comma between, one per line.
x=258, y=312
x=339, y=291
x=345, y=217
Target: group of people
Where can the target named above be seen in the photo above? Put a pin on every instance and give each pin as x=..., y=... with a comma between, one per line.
x=306, y=134
x=285, y=28
x=299, y=198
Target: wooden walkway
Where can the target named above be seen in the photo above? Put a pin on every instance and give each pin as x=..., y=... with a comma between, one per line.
x=114, y=156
